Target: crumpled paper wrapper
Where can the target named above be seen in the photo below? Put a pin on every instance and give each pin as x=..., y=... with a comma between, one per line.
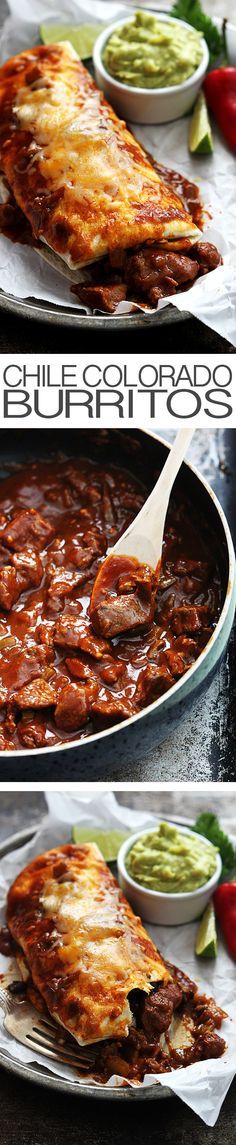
x=212, y=299
x=202, y=1086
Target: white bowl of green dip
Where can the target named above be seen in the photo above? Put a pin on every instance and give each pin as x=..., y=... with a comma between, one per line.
x=150, y=67
x=168, y=873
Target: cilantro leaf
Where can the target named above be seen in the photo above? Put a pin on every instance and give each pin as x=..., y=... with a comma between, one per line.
x=207, y=824
x=192, y=12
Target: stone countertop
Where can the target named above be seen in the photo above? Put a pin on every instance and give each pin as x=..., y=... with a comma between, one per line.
x=33, y=1116
x=28, y=336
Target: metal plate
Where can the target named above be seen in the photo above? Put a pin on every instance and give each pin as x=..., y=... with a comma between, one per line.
x=35, y=1072
x=42, y=311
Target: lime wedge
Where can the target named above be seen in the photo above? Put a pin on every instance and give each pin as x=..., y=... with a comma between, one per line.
x=200, y=139
x=206, y=939
x=81, y=36
x=109, y=842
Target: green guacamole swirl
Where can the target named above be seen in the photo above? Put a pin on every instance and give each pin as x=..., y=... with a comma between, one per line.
x=148, y=53
x=167, y=860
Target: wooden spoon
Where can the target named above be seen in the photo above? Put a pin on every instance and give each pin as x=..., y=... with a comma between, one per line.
x=131, y=570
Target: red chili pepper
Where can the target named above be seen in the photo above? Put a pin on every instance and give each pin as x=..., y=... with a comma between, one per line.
x=225, y=908
x=220, y=91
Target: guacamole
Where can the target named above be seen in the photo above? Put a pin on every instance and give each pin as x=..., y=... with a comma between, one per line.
x=147, y=52
x=167, y=860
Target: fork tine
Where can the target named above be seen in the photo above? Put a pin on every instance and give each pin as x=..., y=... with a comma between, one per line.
x=59, y=1055
x=51, y=1042
x=59, y=1037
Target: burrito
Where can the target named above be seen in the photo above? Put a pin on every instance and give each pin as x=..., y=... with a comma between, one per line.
x=83, y=181
x=86, y=958
x=84, y=947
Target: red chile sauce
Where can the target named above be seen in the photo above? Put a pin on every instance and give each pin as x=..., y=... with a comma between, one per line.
x=63, y=676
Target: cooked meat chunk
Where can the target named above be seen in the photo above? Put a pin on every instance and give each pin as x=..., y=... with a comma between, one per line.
x=207, y=256
x=73, y=632
x=38, y=694
x=112, y=708
x=157, y=1009
x=111, y=672
x=27, y=530
x=33, y=731
x=23, y=668
x=25, y=570
x=78, y=668
x=209, y=1045
x=28, y=563
x=72, y=710
x=190, y=618
x=153, y=681
x=187, y=647
x=61, y=584
x=121, y=613
x=3, y=696
x=163, y=270
x=10, y=587
x=101, y=297
x=174, y=662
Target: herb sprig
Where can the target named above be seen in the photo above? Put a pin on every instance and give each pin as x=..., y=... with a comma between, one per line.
x=192, y=12
x=207, y=824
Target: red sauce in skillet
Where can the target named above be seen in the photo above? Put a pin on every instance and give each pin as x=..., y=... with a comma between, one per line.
x=61, y=677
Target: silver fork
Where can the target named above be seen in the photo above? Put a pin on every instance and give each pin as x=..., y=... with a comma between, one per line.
x=39, y=1032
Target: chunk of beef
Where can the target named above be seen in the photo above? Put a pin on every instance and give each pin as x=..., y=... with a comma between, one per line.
x=112, y=671
x=187, y=647
x=27, y=530
x=73, y=707
x=174, y=662
x=207, y=256
x=110, y=709
x=153, y=681
x=3, y=696
x=163, y=271
x=38, y=694
x=73, y=632
x=78, y=668
x=5, y=743
x=28, y=563
x=118, y=614
x=25, y=570
x=101, y=297
x=189, y=618
x=82, y=556
x=33, y=732
x=61, y=584
x=23, y=668
x=10, y=587
x=157, y=1009
x=209, y=1045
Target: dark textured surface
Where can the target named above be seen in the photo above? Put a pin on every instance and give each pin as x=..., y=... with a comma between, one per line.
x=31, y=1116
x=17, y=334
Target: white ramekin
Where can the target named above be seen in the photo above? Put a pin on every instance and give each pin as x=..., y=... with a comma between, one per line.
x=145, y=105
x=156, y=906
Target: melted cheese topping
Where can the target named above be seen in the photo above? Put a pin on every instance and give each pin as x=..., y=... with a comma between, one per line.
x=81, y=178
x=85, y=948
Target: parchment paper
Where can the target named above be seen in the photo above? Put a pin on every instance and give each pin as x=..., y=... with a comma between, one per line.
x=212, y=298
x=202, y=1086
